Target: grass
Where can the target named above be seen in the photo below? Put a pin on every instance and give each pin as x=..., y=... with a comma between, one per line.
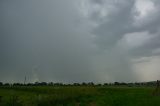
x=77, y=96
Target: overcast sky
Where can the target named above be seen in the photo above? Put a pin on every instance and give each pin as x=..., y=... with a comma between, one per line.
x=79, y=40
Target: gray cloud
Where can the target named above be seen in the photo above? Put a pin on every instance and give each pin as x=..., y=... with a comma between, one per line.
x=115, y=25
x=121, y=22
x=118, y=23
x=75, y=41
x=43, y=35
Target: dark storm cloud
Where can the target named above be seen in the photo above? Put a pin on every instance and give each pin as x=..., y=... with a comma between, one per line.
x=75, y=41
x=121, y=22
x=42, y=35
x=118, y=22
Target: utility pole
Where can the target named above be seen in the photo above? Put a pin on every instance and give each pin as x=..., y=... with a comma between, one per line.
x=158, y=83
x=24, y=80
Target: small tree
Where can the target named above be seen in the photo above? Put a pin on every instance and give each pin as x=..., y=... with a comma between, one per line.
x=105, y=84
x=91, y=84
x=157, y=90
x=1, y=84
x=6, y=84
x=116, y=83
x=83, y=84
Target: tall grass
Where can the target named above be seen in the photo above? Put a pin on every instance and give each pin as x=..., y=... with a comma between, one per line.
x=77, y=96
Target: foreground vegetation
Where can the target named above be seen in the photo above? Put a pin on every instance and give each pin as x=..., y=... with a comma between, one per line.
x=77, y=96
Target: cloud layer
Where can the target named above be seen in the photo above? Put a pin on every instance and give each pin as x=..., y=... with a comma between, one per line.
x=76, y=41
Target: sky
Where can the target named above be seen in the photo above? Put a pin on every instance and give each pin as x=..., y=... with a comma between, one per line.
x=79, y=40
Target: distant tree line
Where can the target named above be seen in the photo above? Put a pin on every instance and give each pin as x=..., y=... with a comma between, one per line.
x=153, y=83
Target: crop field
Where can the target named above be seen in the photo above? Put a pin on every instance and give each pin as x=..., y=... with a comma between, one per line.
x=77, y=96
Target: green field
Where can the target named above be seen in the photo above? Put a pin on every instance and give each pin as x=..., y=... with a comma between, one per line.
x=77, y=96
